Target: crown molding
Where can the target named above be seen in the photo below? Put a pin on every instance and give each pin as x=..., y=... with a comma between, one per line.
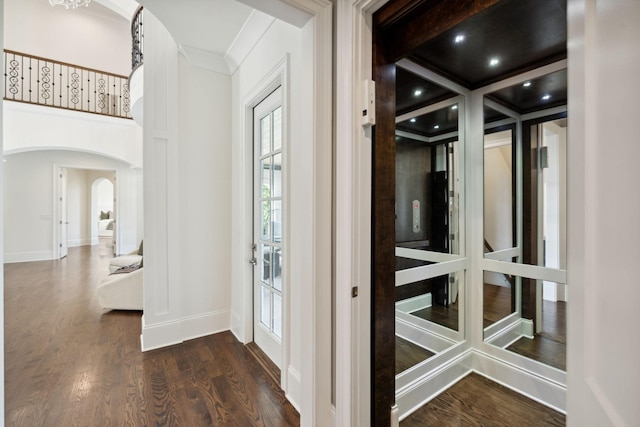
x=252, y=31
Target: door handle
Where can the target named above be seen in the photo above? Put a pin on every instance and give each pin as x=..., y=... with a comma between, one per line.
x=253, y=261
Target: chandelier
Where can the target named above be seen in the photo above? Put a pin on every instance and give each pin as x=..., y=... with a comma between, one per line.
x=70, y=4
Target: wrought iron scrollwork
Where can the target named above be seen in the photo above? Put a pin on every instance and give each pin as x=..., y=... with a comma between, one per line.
x=43, y=81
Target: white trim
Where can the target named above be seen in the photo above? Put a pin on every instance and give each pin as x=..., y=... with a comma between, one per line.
x=425, y=335
x=504, y=254
x=252, y=31
x=12, y=257
x=162, y=334
x=525, y=270
x=411, y=275
x=433, y=77
x=204, y=59
x=294, y=387
x=430, y=108
x=205, y=324
x=426, y=255
x=412, y=304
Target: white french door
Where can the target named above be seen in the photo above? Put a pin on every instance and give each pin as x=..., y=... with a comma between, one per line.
x=268, y=226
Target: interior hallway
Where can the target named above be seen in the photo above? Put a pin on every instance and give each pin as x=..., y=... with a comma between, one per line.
x=70, y=363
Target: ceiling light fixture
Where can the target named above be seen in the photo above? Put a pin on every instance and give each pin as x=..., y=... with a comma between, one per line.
x=526, y=84
x=459, y=38
x=417, y=92
x=69, y=4
x=546, y=97
x=454, y=107
x=436, y=127
x=494, y=61
x=413, y=120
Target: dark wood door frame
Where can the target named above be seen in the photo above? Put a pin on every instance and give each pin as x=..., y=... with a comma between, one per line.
x=398, y=28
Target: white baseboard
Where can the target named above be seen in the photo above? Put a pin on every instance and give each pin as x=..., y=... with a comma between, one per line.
x=74, y=243
x=236, y=327
x=294, y=387
x=548, y=392
x=410, y=305
x=176, y=331
x=426, y=388
x=540, y=389
x=160, y=335
x=205, y=324
x=11, y=257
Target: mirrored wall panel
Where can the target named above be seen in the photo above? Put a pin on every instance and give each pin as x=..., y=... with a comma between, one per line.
x=428, y=171
x=525, y=218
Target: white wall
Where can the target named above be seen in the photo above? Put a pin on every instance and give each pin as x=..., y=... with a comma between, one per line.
x=603, y=205
x=93, y=37
x=248, y=80
x=29, y=210
x=204, y=177
x=78, y=213
x=30, y=127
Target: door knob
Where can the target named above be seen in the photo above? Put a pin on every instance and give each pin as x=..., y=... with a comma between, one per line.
x=253, y=261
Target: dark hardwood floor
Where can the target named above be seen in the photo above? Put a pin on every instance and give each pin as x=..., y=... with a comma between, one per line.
x=444, y=316
x=550, y=345
x=477, y=401
x=70, y=363
x=409, y=354
x=496, y=302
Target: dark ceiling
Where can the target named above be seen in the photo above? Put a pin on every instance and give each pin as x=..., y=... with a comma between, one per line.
x=436, y=123
x=521, y=34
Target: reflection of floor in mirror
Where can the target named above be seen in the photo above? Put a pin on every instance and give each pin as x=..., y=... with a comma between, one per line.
x=445, y=316
x=550, y=345
x=409, y=354
x=496, y=302
x=477, y=401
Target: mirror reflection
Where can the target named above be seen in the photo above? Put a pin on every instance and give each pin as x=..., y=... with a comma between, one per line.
x=525, y=218
x=427, y=218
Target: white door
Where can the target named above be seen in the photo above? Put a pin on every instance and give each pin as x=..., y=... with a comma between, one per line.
x=268, y=226
x=64, y=220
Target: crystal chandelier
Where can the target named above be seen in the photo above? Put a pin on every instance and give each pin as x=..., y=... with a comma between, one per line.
x=70, y=4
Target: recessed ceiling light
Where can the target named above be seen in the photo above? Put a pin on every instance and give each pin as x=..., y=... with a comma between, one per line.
x=454, y=107
x=436, y=127
x=526, y=84
x=494, y=62
x=459, y=38
x=546, y=97
x=417, y=92
x=413, y=120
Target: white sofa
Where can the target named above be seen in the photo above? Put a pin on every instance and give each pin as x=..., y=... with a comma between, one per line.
x=124, y=260
x=122, y=291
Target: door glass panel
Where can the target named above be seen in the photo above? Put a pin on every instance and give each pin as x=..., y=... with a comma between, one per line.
x=265, y=134
x=277, y=176
x=265, y=264
x=265, y=171
x=277, y=129
x=277, y=315
x=265, y=313
x=277, y=268
x=276, y=219
x=266, y=220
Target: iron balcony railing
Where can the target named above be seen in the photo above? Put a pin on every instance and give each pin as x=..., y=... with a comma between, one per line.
x=35, y=80
x=137, y=37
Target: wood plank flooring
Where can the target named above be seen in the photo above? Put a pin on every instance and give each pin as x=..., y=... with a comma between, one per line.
x=477, y=401
x=70, y=363
x=409, y=354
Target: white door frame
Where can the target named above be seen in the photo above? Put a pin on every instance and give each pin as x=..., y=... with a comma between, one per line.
x=57, y=168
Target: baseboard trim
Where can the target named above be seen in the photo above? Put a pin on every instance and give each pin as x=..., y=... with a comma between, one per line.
x=176, y=331
x=421, y=391
x=12, y=257
x=527, y=383
x=160, y=335
x=426, y=388
x=79, y=242
x=294, y=387
x=205, y=324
